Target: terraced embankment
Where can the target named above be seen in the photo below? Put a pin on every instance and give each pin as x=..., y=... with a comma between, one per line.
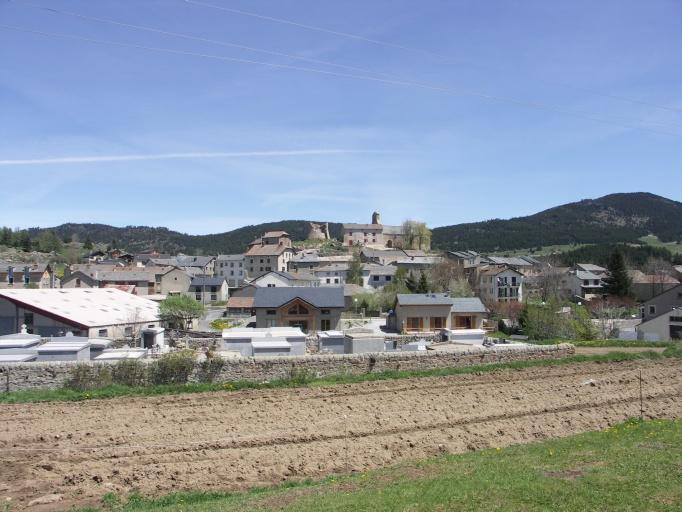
x=222, y=441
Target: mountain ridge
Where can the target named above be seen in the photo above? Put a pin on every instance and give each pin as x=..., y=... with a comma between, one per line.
x=614, y=218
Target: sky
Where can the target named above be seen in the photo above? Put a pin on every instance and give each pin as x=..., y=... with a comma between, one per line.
x=207, y=115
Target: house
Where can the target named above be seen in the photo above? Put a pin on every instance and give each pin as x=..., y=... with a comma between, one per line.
x=373, y=235
x=646, y=286
x=464, y=259
x=662, y=303
x=377, y=276
x=272, y=251
x=241, y=300
x=232, y=268
x=310, y=259
x=279, y=279
x=194, y=265
x=206, y=289
x=595, y=269
x=145, y=280
x=332, y=274
x=308, y=308
x=33, y=275
x=665, y=326
x=91, y=312
x=426, y=312
x=585, y=283
x=500, y=283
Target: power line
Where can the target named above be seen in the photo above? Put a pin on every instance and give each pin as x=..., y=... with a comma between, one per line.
x=411, y=49
x=194, y=38
x=249, y=48
x=407, y=83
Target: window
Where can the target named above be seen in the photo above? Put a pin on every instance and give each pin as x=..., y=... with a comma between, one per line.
x=78, y=283
x=325, y=311
x=270, y=322
x=336, y=280
x=676, y=318
x=128, y=331
x=329, y=281
x=261, y=260
x=103, y=333
x=298, y=310
x=325, y=324
x=231, y=264
x=415, y=323
x=652, y=310
x=271, y=312
x=513, y=281
x=375, y=278
x=231, y=272
x=214, y=289
x=214, y=297
x=271, y=285
x=28, y=319
x=437, y=322
x=197, y=296
x=388, y=278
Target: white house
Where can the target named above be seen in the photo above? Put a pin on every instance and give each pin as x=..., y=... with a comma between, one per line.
x=500, y=283
x=232, y=267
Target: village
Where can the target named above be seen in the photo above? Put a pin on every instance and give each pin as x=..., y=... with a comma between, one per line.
x=380, y=289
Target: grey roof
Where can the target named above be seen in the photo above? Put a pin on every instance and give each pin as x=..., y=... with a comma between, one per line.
x=207, y=281
x=230, y=257
x=320, y=297
x=468, y=305
x=457, y=304
x=589, y=267
x=580, y=274
x=19, y=267
x=363, y=226
x=424, y=299
x=380, y=270
x=124, y=275
x=514, y=261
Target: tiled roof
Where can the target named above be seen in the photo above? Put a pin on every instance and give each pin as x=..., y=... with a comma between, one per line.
x=266, y=250
x=275, y=234
x=240, y=302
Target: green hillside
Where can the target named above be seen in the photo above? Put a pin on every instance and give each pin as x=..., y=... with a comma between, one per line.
x=616, y=218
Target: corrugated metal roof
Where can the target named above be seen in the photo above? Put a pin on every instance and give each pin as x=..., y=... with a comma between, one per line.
x=91, y=307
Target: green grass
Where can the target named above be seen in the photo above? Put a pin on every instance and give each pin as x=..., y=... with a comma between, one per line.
x=631, y=466
x=304, y=379
x=653, y=241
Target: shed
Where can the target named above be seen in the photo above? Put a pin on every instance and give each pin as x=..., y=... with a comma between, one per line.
x=64, y=351
x=331, y=341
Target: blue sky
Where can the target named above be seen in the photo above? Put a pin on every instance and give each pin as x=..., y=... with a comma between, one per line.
x=481, y=110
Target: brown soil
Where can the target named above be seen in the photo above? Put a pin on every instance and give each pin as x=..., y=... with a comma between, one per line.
x=235, y=440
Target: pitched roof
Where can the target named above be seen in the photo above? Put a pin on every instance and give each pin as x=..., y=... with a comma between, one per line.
x=355, y=227
x=240, y=302
x=493, y=270
x=424, y=299
x=457, y=304
x=207, y=281
x=90, y=307
x=589, y=267
x=267, y=250
x=275, y=234
x=320, y=297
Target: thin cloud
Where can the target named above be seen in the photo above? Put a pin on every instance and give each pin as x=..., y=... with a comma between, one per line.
x=175, y=156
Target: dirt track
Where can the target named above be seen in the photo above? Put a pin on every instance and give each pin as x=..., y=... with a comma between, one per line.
x=227, y=441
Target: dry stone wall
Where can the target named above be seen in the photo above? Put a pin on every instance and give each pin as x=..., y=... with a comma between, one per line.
x=53, y=375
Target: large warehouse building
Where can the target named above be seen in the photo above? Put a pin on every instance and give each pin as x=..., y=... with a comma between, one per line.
x=92, y=312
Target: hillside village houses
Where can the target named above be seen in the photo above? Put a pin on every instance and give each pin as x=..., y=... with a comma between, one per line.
x=39, y=275
x=272, y=251
x=232, y=267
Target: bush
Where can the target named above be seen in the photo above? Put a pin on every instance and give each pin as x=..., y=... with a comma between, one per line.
x=173, y=368
x=130, y=372
x=300, y=377
x=84, y=377
x=210, y=368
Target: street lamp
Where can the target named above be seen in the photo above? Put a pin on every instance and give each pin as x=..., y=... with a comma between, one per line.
x=355, y=299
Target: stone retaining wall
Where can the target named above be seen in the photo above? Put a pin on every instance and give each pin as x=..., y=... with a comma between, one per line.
x=53, y=375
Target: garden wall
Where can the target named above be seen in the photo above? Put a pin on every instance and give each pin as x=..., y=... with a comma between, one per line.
x=53, y=375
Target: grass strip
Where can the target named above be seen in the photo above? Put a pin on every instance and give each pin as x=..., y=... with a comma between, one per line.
x=634, y=465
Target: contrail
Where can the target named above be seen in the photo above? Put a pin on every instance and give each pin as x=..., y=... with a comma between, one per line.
x=173, y=156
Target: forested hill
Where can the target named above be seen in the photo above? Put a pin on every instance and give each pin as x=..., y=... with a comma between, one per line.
x=615, y=218
x=609, y=219
x=143, y=238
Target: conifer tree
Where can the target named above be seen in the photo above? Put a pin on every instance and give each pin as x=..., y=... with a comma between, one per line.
x=618, y=282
